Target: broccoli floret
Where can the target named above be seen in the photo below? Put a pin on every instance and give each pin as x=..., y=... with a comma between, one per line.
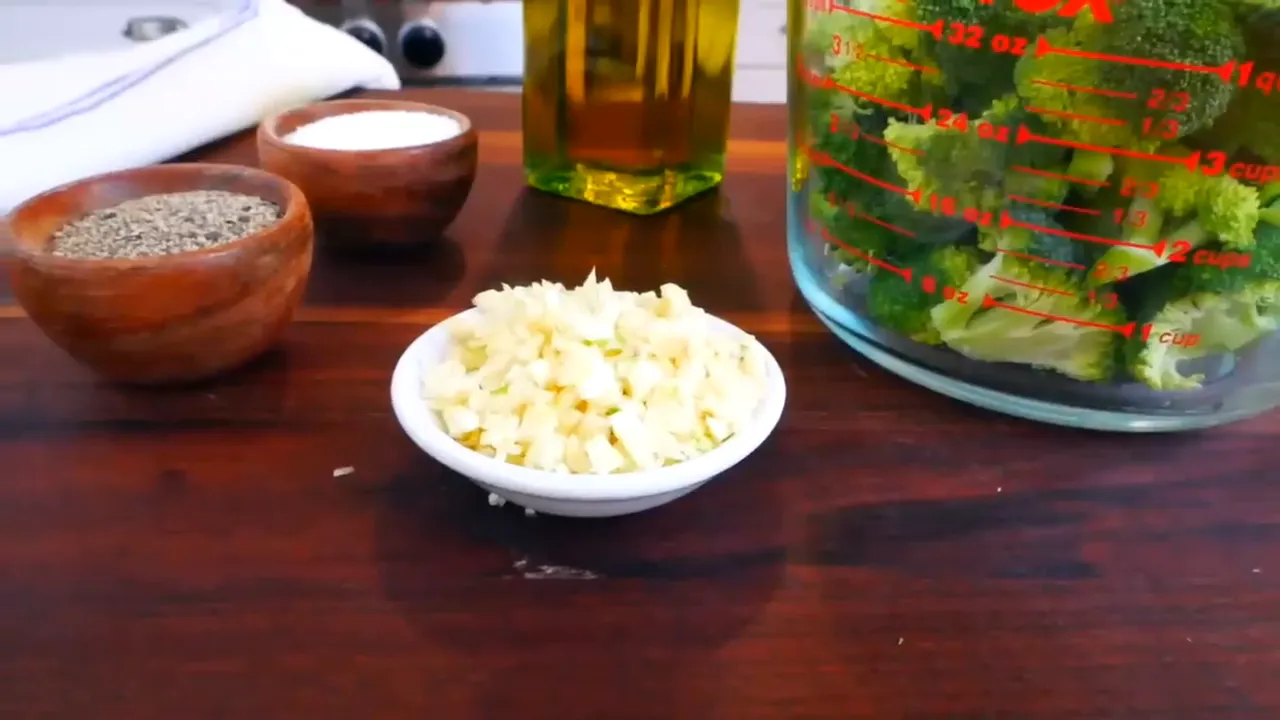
x=1195, y=209
x=883, y=80
x=822, y=27
x=1029, y=313
x=854, y=238
x=1033, y=238
x=1212, y=311
x=1253, y=124
x=842, y=147
x=903, y=306
x=1091, y=165
x=871, y=56
x=823, y=103
x=936, y=161
x=973, y=76
x=1218, y=324
x=842, y=129
x=1228, y=209
x=1046, y=83
x=850, y=52
x=1135, y=97
x=1009, y=112
x=1246, y=11
x=1252, y=121
x=834, y=191
x=952, y=159
x=994, y=16
x=1196, y=32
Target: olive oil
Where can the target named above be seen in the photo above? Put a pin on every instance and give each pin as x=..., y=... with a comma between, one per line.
x=626, y=102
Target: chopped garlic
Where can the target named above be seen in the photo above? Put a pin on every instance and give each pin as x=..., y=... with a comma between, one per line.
x=593, y=380
x=459, y=420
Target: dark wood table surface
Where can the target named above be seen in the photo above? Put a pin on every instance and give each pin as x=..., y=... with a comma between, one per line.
x=190, y=554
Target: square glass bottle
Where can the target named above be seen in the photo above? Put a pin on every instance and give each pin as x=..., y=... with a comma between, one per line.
x=626, y=102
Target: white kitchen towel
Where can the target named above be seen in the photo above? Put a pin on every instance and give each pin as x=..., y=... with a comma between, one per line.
x=70, y=117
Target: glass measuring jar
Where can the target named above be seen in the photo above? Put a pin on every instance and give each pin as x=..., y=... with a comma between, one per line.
x=1066, y=210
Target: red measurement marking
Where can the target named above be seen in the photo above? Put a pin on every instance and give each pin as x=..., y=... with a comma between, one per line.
x=1223, y=260
x=1088, y=90
x=904, y=272
x=902, y=63
x=1178, y=250
x=1177, y=338
x=925, y=112
x=934, y=29
x=1224, y=72
x=853, y=212
x=1074, y=116
x=1006, y=44
x=1007, y=221
x=1125, y=330
x=856, y=133
x=1099, y=9
x=1029, y=286
x=824, y=159
x=929, y=284
x=810, y=78
x=819, y=82
x=1025, y=256
x=888, y=226
x=1130, y=187
x=1054, y=205
x=1109, y=301
x=977, y=217
x=1191, y=162
x=987, y=131
x=895, y=146
x=1059, y=176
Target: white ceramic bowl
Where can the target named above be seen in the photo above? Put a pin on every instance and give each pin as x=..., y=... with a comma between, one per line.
x=561, y=493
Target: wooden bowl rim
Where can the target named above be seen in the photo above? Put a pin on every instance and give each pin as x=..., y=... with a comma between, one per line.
x=295, y=210
x=267, y=128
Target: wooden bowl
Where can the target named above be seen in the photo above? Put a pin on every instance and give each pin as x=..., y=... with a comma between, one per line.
x=396, y=197
x=171, y=318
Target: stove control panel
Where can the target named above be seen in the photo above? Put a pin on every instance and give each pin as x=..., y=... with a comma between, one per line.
x=442, y=41
x=368, y=32
x=474, y=41
x=421, y=44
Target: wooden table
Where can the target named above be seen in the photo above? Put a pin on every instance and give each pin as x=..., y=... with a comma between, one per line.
x=888, y=554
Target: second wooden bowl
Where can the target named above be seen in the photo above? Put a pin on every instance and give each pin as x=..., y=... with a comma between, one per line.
x=394, y=197
x=168, y=318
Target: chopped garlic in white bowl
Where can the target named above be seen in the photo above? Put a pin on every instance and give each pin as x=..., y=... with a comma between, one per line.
x=587, y=401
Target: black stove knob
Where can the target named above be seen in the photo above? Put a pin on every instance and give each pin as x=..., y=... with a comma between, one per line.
x=368, y=33
x=152, y=27
x=421, y=44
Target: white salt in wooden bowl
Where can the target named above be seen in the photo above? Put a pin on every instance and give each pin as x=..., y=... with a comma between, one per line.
x=362, y=192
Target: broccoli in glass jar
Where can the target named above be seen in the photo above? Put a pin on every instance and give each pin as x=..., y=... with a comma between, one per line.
x=1088, y=192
